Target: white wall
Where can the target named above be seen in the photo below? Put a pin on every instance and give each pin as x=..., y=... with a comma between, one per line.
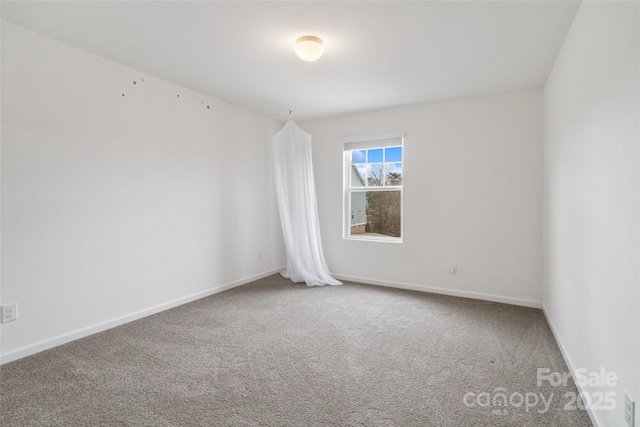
x=591, y=203
x=117, y=206
x=472, y=195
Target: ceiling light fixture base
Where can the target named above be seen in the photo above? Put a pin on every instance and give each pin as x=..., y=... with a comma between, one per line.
x=309, y=48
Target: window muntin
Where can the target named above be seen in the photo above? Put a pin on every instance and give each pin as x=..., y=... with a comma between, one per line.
x=373, y=187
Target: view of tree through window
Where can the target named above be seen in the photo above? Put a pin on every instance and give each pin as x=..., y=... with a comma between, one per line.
x=375, y=192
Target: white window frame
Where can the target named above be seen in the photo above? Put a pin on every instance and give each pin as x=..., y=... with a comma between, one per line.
x=366, y=142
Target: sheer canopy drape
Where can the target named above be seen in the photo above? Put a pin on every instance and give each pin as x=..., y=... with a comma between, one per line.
x=296, y=192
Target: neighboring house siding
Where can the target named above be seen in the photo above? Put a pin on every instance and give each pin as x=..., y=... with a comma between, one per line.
x=358, y=204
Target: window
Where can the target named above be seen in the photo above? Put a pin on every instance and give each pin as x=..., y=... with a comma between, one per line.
x=373, y=187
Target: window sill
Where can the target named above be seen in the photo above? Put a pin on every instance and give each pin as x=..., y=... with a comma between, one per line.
x=374, y=238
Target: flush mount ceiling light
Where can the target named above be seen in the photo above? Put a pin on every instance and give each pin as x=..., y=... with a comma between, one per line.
x=309, y=48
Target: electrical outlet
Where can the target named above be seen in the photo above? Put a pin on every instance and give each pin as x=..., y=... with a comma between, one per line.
x=9, y=312
x=629, y=410
x=453, y=268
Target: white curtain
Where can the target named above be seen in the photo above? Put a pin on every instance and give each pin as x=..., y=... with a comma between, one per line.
x=296, y=191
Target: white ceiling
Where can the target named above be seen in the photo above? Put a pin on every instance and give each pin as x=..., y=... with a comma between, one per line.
x=378, y=53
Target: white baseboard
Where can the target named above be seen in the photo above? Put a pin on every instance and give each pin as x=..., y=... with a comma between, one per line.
x=81, y=333
x=592, y=415
x=443, y=291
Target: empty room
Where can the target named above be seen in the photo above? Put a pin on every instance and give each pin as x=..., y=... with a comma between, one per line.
x=320, y=213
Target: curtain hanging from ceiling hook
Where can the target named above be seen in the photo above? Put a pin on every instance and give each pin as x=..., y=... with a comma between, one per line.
x=296, y=192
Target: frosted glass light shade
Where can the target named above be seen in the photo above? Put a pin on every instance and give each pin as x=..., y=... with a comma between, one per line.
x=309, y=48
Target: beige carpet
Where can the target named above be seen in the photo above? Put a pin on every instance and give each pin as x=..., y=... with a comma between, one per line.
x=273, y=353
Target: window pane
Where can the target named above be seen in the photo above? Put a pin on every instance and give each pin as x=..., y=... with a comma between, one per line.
x=382, y=213
x=393, y=154
x=358, y=174
x=373, y=191
x=393, y=173
x=375, y=174
x=358, y=156
x=374, y=156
